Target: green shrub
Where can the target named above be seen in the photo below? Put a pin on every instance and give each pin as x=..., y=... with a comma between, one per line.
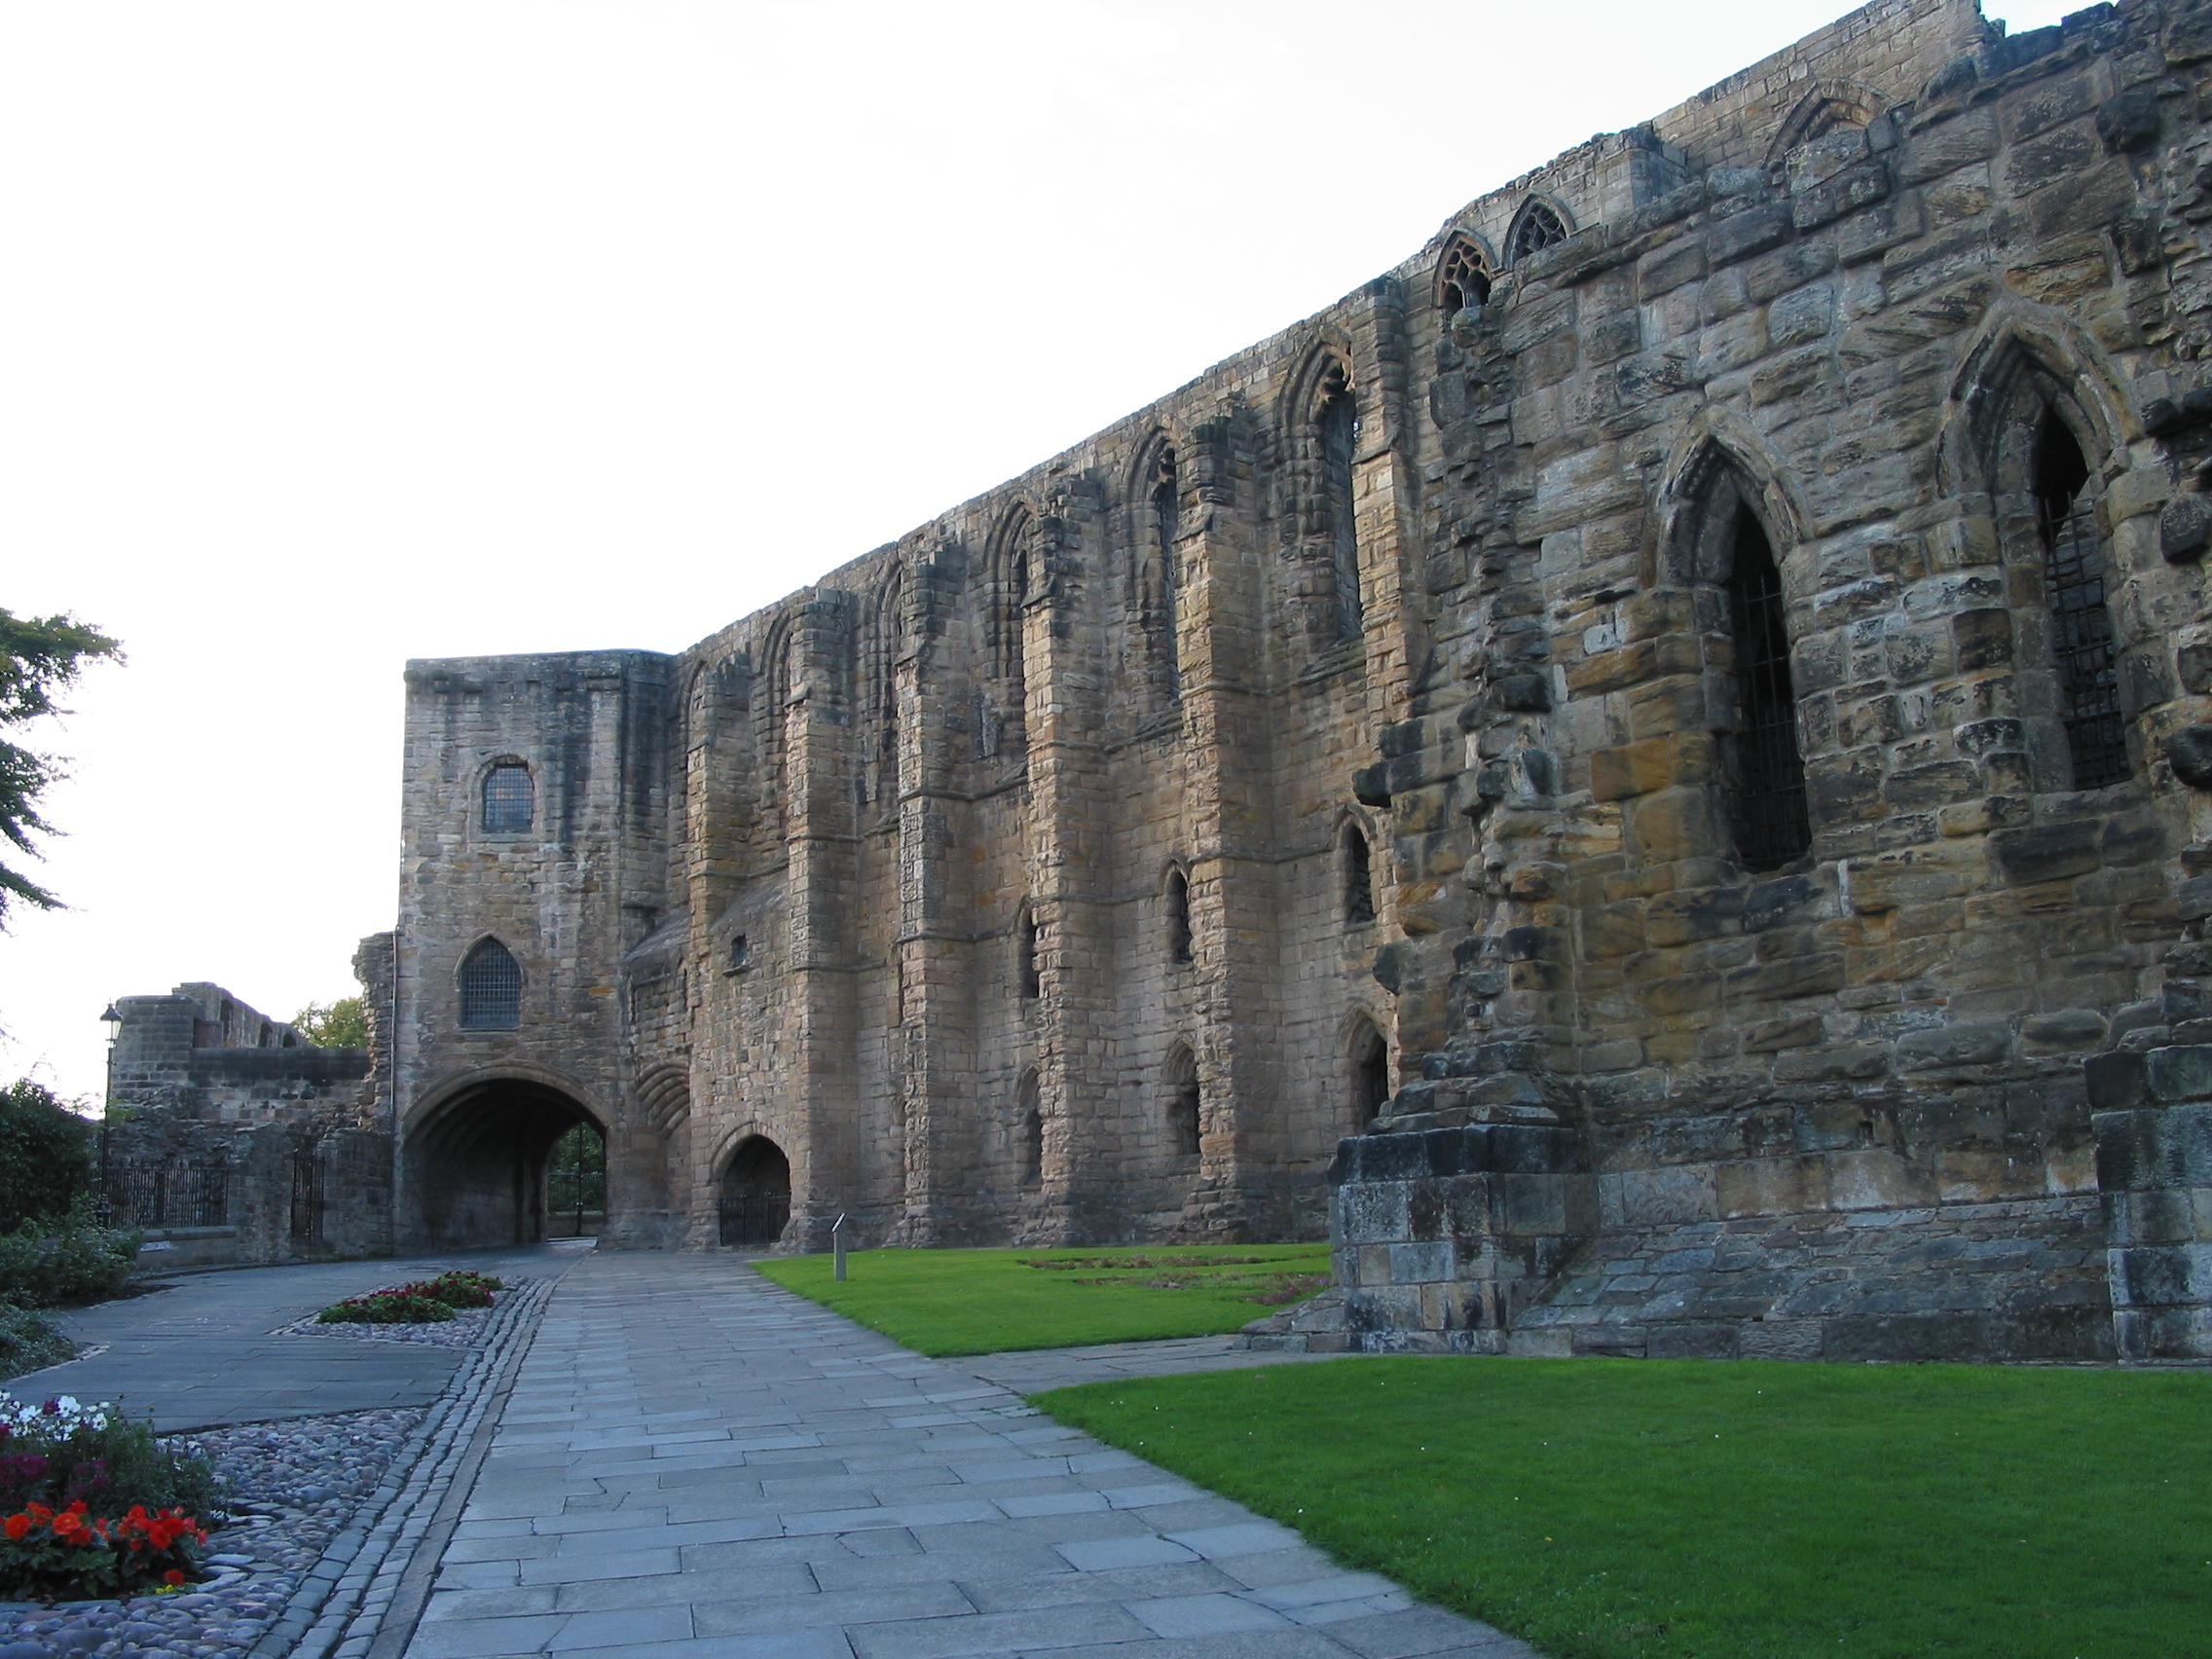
x=401, y=1306
x=47, y=1154
x=28, y=1342
x=76, y=1260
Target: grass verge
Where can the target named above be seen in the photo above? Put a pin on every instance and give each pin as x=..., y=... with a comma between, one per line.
x=947, y=1301
x=1649, y=1509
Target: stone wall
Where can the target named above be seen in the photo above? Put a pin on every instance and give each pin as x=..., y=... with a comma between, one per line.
x=231, y=1152
x=1394, y=731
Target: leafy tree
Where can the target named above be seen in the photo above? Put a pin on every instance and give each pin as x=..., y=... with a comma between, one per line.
x=46, y=1156
x=39, y=656
x=575, y=1175
x=340, y=1025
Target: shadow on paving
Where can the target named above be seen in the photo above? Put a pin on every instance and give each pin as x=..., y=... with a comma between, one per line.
x=198, y=1354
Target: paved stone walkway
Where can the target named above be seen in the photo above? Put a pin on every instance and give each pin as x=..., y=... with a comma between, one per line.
x=199, y=1353
x=693, y=1456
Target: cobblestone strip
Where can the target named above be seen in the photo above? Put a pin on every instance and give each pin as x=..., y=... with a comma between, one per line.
x=353, y=1592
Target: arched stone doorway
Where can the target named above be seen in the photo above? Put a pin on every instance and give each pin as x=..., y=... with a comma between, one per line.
x=756, y=1197
x=475, y=1164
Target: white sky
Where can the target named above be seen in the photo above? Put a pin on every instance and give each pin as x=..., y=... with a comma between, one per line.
x=337, y=334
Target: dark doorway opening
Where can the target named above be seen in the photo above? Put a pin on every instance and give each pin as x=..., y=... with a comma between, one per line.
x=477, y=1170
x=1371, y=1074
x=756, y=1194
x=576, y=1184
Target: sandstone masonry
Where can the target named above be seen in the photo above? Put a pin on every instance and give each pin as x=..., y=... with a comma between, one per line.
x=1667, y=735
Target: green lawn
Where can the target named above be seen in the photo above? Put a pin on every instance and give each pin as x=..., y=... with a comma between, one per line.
x=1602, y=1509
x=943, y=1302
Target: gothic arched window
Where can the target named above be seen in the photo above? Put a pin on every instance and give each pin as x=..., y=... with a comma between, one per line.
x=1167, y=511
x=510, y=799
x=1178, y=916
x=1763, y=763
x=1027, y=980
x=1370, y=1073
x=2083, y=648
x=1462, y=279
x=1538, y=227
x=1181, y=1077
x=1358, y=878
x=1337, y=427
x=490, y=988
x=1030, y=1129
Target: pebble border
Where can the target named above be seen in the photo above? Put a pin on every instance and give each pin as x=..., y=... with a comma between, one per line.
x=351, y=1597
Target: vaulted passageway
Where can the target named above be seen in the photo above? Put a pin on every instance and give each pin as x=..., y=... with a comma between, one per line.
x=475, y=1166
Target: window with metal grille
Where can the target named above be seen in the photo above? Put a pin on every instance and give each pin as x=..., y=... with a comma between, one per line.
x=1339, y=445
x=2081, y=643
x=1538, y=227
x=510, y=801
x=1359, y=879
x=1768, y=769
x=490, y=988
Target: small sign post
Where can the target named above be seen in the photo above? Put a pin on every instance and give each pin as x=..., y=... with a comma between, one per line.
x=837, y=1245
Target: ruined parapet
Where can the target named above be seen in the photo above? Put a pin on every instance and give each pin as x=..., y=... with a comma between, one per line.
x=236, y=1153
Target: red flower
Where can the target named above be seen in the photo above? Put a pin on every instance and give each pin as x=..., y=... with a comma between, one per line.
x=172, y=1576
x=18, y=1524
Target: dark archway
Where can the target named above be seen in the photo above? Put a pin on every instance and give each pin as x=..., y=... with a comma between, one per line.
x=476, y=1167
x=1370, y=1073
x=756, y=1194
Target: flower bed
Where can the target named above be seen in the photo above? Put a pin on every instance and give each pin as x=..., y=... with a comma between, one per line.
x=97, y=1505
x=425, y=1302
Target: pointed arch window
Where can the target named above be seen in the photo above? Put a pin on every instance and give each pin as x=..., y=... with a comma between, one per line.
x=2083, y=647
x=1358, y=878
x=1370, y=1073
x=490, y=988
x=1338, y=428
x=1029, y=1127
x=1027, y=979
x=1538, y=227
x=1165, y=513
x=1462, y=279
x=510, y=799
x=1181, y=1077
x=1178, y=916
x=1764, y=762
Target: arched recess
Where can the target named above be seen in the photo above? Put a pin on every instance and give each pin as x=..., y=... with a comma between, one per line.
x=1029, y=1129
x=1010, y=577
x=753, y=1194
x=1326, y=425
x=1175, y=902
x=885, y=643
x=2037, y=429
x=474, y=1154
x=1028, y=971
x=1156, y=573
x=1182, y=1101
x=488, y=983
x=1355, y=872
x=1831, y=107
x=1367, y=1054
x=1725, y=551
x=779, y=684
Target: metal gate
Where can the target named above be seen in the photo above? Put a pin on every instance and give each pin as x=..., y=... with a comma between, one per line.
x=306, y=1196
x=754, y=1217
x=167, y=1194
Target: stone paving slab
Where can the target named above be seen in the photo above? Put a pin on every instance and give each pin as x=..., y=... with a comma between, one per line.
x=694, y=1463
x=199, y=1354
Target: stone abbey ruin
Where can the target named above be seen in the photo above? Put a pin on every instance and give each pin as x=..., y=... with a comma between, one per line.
x=1646, y=770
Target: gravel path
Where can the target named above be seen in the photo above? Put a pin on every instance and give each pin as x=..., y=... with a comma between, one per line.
x=297, y=1488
